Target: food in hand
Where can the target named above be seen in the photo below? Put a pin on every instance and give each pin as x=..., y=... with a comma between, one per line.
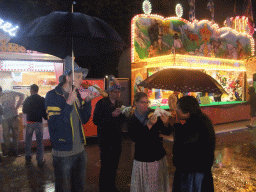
x=150, y=115
x=102, y=93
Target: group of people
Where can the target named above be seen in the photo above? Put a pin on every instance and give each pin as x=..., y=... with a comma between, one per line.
x=66, y=112
x=34, y=108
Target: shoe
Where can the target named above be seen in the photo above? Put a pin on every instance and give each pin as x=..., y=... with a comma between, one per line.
x=14, y=155
x=40, y=165
x=250, y=126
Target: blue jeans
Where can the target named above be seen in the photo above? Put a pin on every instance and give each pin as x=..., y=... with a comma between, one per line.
x=70, y=173
x=38, y=128
x=193, y=182
x=11, y=124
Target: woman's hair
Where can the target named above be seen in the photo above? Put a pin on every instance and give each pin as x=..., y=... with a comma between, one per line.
x=189, y=104
x=139, y=95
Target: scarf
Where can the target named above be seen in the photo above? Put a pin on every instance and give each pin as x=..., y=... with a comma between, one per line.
x=142, y=117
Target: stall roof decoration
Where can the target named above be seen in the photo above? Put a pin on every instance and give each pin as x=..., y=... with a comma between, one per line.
x=152, y=36
x=240, y=24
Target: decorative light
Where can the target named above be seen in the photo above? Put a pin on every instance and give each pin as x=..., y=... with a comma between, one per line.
x=179, y=10
x=147, y=7
x=8, y=27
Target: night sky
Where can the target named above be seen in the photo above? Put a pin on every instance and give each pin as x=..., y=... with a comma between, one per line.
x=118, y=14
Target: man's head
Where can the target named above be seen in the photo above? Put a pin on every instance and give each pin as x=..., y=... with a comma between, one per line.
x=34, y=89
x=187, y=106
x=114, y=92
x=79, y=73
x=68, y=79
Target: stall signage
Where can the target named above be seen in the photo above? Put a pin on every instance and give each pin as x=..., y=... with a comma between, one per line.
x=211, y=62
x=8, y=27
x=6, y=65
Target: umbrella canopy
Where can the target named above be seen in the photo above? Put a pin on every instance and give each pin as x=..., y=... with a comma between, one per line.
x=183, y=80
x=58, y=32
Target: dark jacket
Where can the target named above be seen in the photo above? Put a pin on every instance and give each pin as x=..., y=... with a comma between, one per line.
x=34, y=107
x=194, y=144
x=60, y=118
x=108, y=127
x=148, y=144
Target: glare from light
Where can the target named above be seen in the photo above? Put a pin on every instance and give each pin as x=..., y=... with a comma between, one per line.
x=8, y=27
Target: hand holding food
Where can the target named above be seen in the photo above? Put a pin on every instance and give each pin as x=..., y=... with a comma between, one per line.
x=152, y=121
x=116, y=112
x=165, y=118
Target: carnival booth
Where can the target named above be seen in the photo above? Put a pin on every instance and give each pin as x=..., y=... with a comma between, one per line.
x=159, y=43
x=20, y=68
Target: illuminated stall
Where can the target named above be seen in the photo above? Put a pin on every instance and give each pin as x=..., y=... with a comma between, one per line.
x=158, y=43
x=20, y=68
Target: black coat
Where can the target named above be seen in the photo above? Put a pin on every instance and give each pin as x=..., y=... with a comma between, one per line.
x=34, y=107
x=108, y=127
x=194, y=144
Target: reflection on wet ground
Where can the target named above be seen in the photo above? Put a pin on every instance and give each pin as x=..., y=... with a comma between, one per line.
x=234, y=168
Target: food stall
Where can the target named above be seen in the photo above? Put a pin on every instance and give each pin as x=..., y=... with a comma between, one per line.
x=158, y=43
x=20, y=68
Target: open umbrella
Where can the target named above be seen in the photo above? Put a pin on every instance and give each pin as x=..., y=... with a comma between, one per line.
x=54, y=34
x=183, y=80
x=61, y=33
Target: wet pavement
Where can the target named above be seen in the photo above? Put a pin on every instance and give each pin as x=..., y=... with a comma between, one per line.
x=234, y=168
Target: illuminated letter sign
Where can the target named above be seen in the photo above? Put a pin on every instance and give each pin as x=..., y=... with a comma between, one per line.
x=8, y=28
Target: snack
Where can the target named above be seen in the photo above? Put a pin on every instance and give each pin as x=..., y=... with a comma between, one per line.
x=102, y=93
x=159, y=110
x=150, y=115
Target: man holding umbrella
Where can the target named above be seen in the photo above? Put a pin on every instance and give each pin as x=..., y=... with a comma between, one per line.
x=66, y=113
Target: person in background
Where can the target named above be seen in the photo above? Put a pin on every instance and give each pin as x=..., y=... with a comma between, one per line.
x=172, y=102
x=252, y=102
x=11, y=120
x=193, y=148
x=34, y=107
x=1, y=114
x=150, y=169
x=109, y=119
x=67, y=113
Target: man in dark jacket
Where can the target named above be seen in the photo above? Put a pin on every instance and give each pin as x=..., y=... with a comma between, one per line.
x=67, y=113
x=34, y=107
x=252, y=102
x=193, y=149
x=108, y=118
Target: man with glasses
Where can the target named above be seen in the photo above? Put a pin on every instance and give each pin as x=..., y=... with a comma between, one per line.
x=109, y=119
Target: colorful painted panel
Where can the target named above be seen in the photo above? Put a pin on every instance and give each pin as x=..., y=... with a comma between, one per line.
x=154, y=36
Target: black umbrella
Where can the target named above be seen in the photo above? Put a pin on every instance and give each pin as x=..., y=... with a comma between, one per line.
x=183, y=80
x=73, y=34
x=55, y=33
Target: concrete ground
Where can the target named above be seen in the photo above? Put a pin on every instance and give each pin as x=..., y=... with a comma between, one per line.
x=234, y=168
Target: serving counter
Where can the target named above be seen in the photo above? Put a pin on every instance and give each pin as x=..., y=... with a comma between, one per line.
x=224, y=112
